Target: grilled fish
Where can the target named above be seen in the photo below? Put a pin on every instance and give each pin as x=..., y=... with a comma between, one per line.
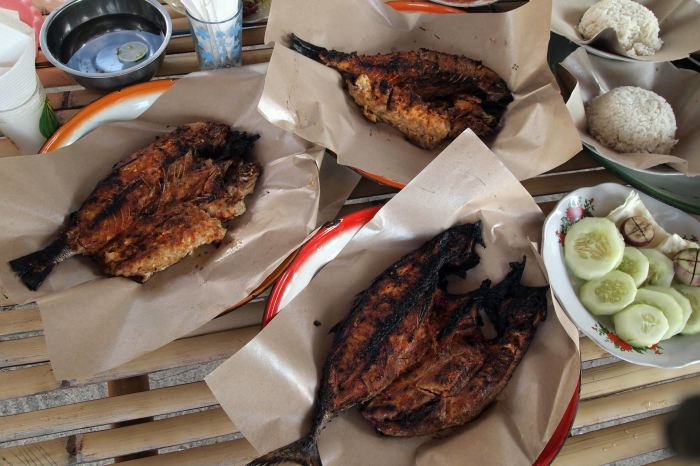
x=431, y=97
x=386, y=330
x=157, y=205
x=454, y=383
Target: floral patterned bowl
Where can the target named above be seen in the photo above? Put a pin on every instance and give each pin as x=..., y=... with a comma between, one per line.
x=597, y=201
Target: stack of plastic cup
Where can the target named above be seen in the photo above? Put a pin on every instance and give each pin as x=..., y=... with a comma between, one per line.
x=25, y=115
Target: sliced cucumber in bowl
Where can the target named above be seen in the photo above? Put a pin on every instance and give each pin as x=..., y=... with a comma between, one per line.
x=608, y=294
x=593, y=247
x=641, y=325
x=660, y=268
x=667, y=305
x=635, y=264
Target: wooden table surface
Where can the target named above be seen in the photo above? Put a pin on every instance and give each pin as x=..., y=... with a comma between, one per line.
x=621, y=414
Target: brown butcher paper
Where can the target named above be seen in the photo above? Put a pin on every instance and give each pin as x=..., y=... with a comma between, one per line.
x=93, y=322
x=681, y=88
x=307, y=97
x=269, y=386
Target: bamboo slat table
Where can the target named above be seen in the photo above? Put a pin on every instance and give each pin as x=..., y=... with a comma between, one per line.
x=156, y=410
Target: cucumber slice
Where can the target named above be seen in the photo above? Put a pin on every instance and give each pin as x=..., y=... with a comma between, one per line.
x=640, y=325
x=608, y=294
x=635, y=264
x=593, y=247
x=660, y=268
x=667, y=305
x=693, y=294
x=682, y=301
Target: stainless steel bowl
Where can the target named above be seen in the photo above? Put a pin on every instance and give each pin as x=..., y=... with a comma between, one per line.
x=71, y=15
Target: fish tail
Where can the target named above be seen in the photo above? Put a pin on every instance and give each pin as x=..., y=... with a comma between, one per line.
x=33, y=268
x=304, y=452
x=306, y=48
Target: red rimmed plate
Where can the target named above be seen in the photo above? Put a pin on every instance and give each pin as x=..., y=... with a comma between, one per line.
x=422, y=7
x=322, y=248
x=128, y=104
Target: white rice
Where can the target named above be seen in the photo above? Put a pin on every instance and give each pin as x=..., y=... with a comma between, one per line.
x=631, y=119
x=636, y=26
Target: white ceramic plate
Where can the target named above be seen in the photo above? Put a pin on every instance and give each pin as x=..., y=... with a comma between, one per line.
x=597, y=201
x=123, y=105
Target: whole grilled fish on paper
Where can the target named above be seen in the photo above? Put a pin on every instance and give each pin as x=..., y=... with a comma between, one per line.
x=455, y=381
x=157, y=205
x=430, y=96
x=387, y=329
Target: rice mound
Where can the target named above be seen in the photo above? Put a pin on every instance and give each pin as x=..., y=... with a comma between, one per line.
x=636, y=26
x=631, y=119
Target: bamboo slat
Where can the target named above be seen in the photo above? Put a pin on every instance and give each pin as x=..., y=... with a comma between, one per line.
x=19, y=321
x=676, y=461
x=568, y=182
x=179, y=64
x=614, y=443
x=590, y=351
x=620, y=376
x=27, y=381
x=50, y=453
x=22, y=351
x=168, y=432
x=180, y=353
x=105, y=411
x=232, y=453
x=641, y=401
x=7, y=149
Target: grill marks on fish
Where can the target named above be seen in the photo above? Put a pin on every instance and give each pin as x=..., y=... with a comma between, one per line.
x=429, y=96
x=463, y=374
x=386, y=331
x=157, y=205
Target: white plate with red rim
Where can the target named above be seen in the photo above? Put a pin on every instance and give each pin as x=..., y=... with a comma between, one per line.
x=598, y=201
x=322, y=248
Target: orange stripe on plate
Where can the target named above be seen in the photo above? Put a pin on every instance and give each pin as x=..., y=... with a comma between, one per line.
x=63, y=133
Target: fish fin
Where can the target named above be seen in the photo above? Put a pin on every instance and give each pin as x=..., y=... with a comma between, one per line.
x=33, y=268
x=304, y=452
x=306, y=48
x=238, y=144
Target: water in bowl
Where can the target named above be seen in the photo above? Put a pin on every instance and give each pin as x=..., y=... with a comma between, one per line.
x=111, y=43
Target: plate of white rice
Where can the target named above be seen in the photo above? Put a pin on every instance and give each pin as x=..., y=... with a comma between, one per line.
x=630, y=30
x=640, y=120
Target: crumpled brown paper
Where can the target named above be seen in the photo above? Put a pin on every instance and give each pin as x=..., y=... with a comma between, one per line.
x=307, y=98
x=93, y=323
x=268, y=387
x=681, y=88
x=678, y=25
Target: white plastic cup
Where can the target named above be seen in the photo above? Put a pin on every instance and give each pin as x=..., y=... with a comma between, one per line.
x=25, y=114
x=31, y=123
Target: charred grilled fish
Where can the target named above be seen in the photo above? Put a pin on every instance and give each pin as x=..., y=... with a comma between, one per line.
x=156, y=206
x=387, y=329
x=454, y=383
x=431, y=97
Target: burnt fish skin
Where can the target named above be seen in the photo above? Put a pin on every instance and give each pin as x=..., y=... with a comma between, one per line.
x=453, y=385
x=136, y=187
x=387, y=330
